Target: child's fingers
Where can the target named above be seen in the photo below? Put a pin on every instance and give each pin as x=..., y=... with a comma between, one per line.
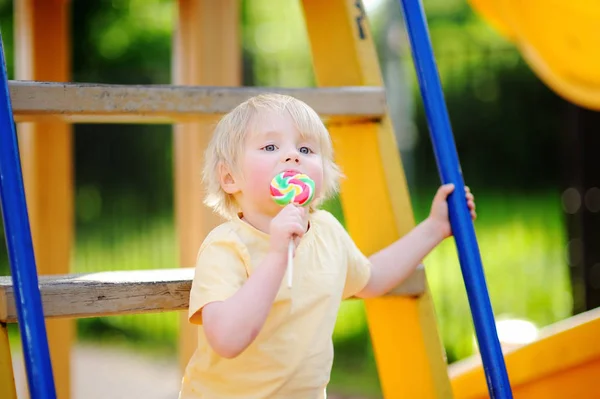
x=444, y=191
x=293, y=209
x=295, y=213
x=448, y=188
x=296, y=229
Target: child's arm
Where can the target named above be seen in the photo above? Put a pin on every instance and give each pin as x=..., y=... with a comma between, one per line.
x=232, y=325
x=395, y=263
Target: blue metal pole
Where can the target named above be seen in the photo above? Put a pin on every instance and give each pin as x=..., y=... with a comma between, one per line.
x=460, y=218
x=20, y=252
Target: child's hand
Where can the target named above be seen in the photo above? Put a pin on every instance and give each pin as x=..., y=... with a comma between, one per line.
x=439, y=208
x=290, y=223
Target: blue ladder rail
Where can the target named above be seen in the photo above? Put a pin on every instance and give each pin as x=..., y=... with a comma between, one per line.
x=20, y=252
x=460, y=217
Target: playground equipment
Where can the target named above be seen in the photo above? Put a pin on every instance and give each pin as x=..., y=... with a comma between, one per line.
x=563, y=362
x=349, y=96
x=351, y=99
x=20, y=247
x=462, y=226
x=557, y=40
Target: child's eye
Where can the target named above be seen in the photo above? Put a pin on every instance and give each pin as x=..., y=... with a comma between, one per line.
x=305, y=150
x=270, y=147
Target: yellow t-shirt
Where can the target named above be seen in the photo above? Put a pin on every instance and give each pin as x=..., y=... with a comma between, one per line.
x=292, y=355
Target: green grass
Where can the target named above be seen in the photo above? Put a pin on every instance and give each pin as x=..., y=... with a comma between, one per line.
x=521, y=240
x=522, y=245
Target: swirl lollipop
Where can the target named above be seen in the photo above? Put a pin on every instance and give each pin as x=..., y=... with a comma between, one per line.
x=292, y=188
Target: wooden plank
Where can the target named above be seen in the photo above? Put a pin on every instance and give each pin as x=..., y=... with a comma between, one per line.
x=8, y=389
x=43, y=52
x=126, y=292
x=105, y=293
x=104, y=103
x=407, y=344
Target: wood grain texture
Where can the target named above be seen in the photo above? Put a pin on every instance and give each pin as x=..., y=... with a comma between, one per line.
x=127, y=292
x=95, y=103
x=105, y=293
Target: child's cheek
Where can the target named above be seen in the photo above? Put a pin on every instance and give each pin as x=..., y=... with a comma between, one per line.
x=261, y=177
x=318, y=185
x=316, y=174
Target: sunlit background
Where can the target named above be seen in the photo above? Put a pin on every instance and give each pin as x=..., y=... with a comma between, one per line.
x=507, y=126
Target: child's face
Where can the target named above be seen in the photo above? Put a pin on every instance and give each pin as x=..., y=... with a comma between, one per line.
x=273, y=145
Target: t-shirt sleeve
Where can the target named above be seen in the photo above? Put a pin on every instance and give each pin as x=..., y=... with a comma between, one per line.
x=219, y=273
x=358, y=266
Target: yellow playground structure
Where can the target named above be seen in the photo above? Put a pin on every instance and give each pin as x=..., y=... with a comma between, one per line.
x=557, y=39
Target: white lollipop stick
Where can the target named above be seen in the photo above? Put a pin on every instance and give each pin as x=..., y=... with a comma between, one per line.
x=290, y=265
x=304, y=188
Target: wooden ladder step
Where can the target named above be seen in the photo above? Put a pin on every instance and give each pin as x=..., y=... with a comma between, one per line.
x=128, y=292
x=101, y=103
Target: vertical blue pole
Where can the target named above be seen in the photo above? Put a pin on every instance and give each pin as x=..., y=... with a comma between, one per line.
x=460, y=218
x=20, y=252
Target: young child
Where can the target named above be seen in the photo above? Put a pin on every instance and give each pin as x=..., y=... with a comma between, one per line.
x=257, y=337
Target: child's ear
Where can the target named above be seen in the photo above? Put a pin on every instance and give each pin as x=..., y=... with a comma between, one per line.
x=227, y=179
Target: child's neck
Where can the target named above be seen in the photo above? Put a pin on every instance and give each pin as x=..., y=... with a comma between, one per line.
x=259, y=221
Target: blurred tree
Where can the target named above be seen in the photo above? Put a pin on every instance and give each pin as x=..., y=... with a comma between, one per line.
x=506, y=125
x=130, y=166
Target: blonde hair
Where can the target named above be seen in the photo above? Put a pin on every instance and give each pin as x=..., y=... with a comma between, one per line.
x=227, y=144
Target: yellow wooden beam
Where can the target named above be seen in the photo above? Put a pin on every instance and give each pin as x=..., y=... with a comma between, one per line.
x=7, y=377
x=407, y=346
x=207, y=51
x=42, y=52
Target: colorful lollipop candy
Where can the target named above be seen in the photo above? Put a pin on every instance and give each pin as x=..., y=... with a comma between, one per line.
x=292, y=188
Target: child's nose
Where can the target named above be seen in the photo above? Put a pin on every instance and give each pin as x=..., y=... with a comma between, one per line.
x=292, y=156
